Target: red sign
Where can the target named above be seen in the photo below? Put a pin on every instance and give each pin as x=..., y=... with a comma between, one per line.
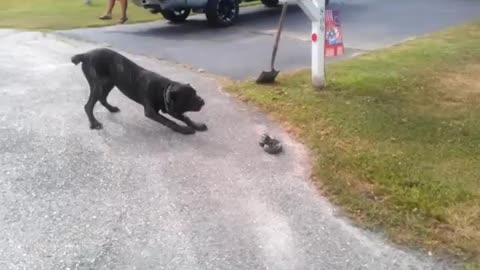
x=333, y=34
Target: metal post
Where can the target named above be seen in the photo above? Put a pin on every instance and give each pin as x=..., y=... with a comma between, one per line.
x=318, y=47
x=315, y=11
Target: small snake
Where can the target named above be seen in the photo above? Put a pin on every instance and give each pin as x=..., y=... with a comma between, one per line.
x=270, y=145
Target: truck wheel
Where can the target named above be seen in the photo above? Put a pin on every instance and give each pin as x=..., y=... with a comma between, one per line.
x=176, y=16
x=270, y=3
x=222, y=13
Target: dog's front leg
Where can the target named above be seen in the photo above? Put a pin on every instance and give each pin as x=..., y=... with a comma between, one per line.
x=190, y=123
x=155, y=116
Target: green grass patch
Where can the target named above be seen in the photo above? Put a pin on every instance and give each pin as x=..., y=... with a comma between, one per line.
x=64, y=14
x=395, y=137
x=252, y=3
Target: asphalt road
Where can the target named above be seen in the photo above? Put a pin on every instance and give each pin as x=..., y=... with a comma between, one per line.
x=244, y=50
x=135, y=195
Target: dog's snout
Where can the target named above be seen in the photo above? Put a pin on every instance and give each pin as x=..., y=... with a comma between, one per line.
x=202, y=102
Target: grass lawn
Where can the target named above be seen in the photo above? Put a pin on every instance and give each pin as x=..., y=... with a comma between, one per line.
x=395, y=138
x=63, y=14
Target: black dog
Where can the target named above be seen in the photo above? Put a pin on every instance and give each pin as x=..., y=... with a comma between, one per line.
x=105, y=69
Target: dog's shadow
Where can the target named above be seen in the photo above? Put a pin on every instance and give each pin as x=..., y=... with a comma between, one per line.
x=146, y=135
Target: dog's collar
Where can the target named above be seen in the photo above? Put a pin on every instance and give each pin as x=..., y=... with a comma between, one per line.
x=166, y=98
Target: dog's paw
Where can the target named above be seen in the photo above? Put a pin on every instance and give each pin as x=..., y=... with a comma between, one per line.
x=201, y=127
x=96, y=125
x=114, y=110
x=186, y=130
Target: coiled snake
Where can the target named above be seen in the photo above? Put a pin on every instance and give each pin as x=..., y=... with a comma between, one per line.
x=270, y=145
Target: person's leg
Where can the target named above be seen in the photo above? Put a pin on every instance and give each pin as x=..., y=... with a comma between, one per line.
x=124, y=4
x=108, y=13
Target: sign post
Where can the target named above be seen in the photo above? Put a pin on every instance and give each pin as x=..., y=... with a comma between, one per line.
x=318, y=41
x=315, y=11
x=318, y=50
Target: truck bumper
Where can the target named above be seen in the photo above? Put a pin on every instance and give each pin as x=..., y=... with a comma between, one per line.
x=170, y=4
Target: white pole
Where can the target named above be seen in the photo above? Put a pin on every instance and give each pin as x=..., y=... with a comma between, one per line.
x=315, y=11
x=318, y=47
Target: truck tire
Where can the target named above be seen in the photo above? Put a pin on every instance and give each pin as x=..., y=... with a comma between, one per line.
x=176, y=16
x=222, y=13
x=270, y=3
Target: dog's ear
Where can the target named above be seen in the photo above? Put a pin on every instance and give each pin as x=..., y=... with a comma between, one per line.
x=181, y=90
x=184, y=98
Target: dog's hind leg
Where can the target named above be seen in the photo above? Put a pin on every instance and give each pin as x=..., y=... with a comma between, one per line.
x=106, y=88
x=92, y=99
x=96, y=88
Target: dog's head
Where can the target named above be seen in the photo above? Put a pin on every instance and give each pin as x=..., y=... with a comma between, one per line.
x=184, y=98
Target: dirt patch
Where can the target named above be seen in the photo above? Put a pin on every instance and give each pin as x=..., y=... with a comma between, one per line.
x=462, y=86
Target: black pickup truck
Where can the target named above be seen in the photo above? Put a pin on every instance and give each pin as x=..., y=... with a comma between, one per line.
x=220, y=13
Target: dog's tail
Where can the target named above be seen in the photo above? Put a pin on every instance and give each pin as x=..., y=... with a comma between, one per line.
x=78, y=58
